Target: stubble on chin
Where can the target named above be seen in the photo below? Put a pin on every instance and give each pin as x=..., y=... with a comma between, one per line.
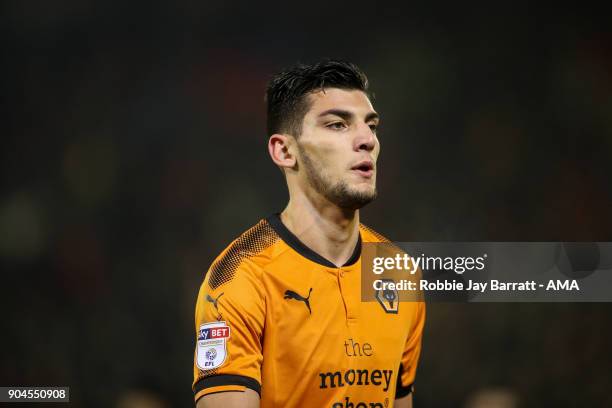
x=339, y=193
x=350, y=199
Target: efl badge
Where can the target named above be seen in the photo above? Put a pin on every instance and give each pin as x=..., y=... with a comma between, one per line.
x=388, y=299
x=212, y=345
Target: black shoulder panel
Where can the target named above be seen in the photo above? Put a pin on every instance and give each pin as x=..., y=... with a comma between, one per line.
x=376, y=234
x=252, y=242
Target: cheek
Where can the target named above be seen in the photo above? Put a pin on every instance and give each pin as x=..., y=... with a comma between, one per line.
x=323, y=155
x=330, y=164
x=376, y=150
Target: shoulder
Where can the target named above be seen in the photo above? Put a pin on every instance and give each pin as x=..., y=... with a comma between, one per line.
x=370, y=235
x=251, y=251
x=389, y=248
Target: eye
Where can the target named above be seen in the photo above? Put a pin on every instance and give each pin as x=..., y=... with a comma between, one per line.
x=336, y=125
x=373, y=127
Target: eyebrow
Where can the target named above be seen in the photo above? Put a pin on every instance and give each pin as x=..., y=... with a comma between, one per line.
x=346, y=115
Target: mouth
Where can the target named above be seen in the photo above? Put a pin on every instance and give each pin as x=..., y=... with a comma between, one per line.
x=364, y=169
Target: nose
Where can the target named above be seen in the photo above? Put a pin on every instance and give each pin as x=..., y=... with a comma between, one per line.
x=366, y=139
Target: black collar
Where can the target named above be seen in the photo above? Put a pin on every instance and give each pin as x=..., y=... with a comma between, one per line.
x=275, y=222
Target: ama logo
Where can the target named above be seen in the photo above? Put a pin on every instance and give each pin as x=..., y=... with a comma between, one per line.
x=211, y=350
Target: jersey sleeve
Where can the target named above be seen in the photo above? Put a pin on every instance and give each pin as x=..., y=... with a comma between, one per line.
x=229, y=322
x=412, y=351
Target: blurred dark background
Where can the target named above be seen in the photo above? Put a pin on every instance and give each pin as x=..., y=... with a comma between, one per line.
x=133, y=152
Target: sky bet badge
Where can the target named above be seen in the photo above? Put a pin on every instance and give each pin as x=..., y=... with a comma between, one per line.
x=388, y=299
x=212, y=345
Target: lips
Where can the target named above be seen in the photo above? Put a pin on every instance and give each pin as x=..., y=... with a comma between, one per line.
x=364, y=168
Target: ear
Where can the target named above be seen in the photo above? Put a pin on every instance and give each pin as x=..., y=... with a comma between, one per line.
x=280, y=152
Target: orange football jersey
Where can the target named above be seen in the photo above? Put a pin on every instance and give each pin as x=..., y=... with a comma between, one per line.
x=274, y=316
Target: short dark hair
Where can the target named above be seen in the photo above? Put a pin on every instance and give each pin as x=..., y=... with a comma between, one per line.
x=287, y=93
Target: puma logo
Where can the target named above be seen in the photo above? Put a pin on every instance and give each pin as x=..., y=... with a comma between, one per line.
x=289, y=294
x=215, y=303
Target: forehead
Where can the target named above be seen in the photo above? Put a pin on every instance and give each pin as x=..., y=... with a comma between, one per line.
x=334, y=98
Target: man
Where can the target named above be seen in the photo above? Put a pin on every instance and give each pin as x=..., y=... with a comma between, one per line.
x=279, y=318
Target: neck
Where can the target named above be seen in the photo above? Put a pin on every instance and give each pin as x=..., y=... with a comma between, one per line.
x=330, y=231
